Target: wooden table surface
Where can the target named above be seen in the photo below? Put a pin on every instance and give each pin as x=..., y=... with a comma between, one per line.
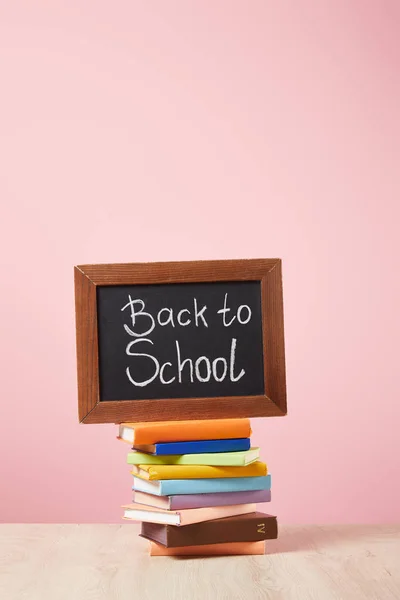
x=99, y=562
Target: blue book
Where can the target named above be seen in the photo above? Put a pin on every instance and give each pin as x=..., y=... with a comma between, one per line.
x=196, y=447
x=171, y=487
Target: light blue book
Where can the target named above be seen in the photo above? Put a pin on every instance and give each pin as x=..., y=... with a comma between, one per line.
x=171, y=487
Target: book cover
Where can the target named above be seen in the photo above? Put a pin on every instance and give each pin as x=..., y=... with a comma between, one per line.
x=155, y=472
x=238, y=459
x=195, y=446
x=170, y=487
x=253, y=527
x=232, y=549
x=176, y=431
x=202, y=500
x=141, y=512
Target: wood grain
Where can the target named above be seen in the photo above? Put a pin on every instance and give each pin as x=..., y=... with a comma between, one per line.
x=273, y=337
x=110, y=562
x=179, y=272
x=88, y=277
x=183, y=409
x=86, y=344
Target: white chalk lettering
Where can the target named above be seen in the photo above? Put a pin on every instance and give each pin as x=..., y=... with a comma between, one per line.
x=185, y=366
x=232, y=363
x=214, y=368
x=181, y=364
x=225, y=310
x=198, y=314
x=197, y=368
x=135, y=314
x=180, y=313
x=170, y=318
x=162, y=374
x=129, y=353
x=239, y=312
x=201, y=369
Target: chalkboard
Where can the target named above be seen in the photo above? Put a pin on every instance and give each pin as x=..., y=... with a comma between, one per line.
x=183, y=340
x=180, y=340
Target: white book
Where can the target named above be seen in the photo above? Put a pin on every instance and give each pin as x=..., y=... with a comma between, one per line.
x=142, y=512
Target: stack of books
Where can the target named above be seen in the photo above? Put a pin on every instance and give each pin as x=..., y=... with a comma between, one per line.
x=196, y=485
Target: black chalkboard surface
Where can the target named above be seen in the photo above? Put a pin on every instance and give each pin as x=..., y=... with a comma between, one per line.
x=182, y=340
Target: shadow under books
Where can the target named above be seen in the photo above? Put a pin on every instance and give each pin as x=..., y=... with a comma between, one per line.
x=311, y=538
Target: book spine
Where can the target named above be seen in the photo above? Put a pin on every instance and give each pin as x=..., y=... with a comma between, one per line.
x=252, y=528
x=193, y=430
x=169, y=487
x=179, y=502
x=162, y=472
x=253, y=531
x=202, y=446
x=239, y=548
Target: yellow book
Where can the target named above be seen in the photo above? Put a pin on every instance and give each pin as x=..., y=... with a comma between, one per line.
x=152, y=472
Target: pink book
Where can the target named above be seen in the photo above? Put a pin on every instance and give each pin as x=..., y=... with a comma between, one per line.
x=228, y=549
x=202, y=500
x=151, y=514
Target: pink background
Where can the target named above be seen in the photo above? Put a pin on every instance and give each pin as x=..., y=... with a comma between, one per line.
x=139, y=131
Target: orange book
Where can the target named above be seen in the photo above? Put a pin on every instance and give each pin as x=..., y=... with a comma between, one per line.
x=176, y=431
x=225, y=549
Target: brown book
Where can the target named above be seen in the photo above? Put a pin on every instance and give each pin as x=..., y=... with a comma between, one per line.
x=252, y=527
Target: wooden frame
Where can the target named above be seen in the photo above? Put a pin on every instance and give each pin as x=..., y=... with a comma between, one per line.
x=88, y=277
